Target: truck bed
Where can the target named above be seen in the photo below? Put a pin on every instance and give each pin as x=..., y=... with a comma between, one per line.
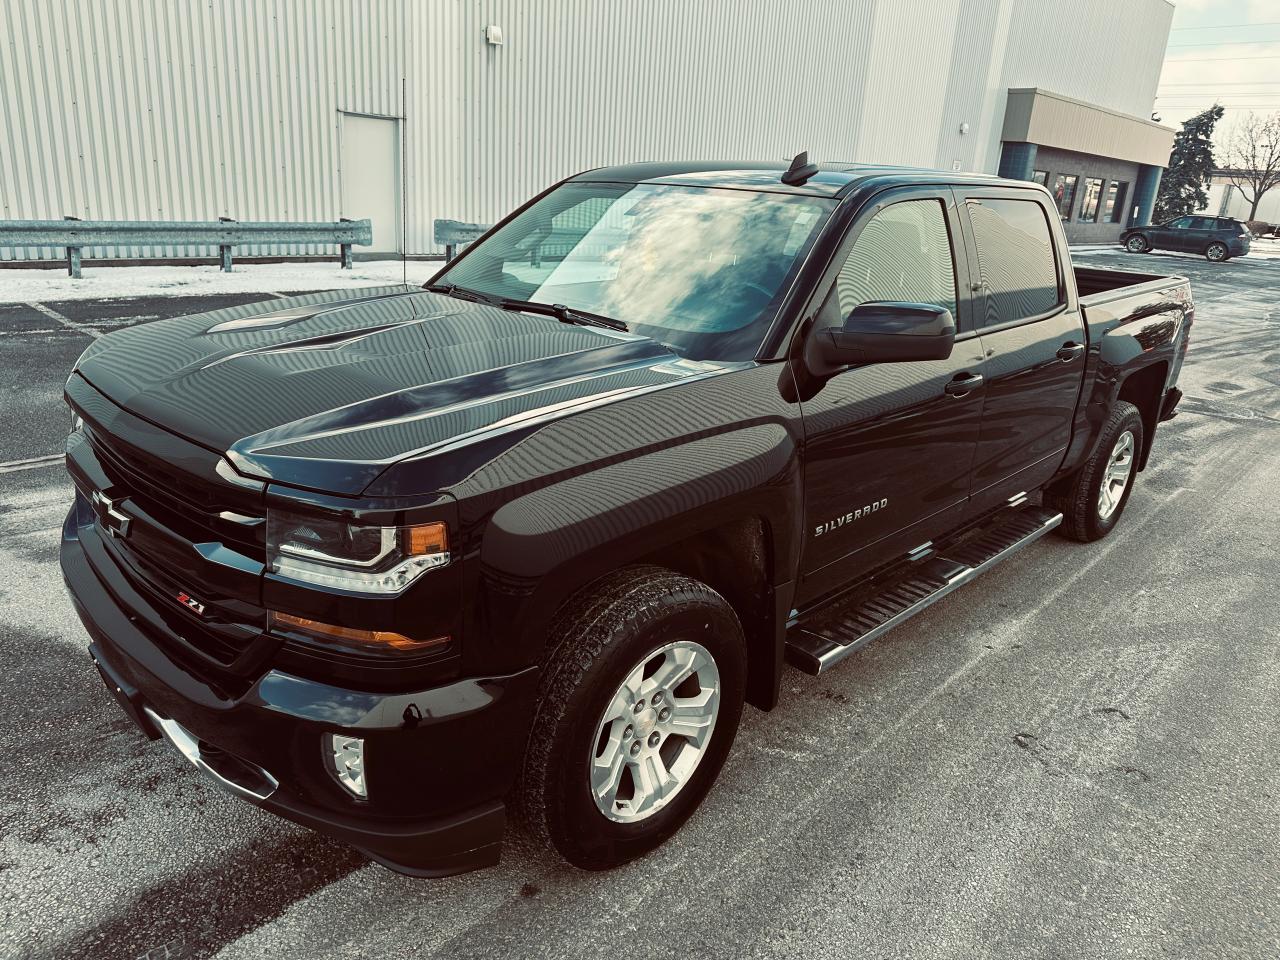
x=1099, y=286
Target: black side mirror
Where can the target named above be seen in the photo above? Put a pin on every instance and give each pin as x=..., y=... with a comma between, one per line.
x=887, y=332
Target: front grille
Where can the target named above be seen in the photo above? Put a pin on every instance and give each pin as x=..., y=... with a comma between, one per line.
x=177, y=516
x=196, y=510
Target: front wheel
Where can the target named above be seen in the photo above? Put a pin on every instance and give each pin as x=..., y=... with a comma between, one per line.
x=1092, y=499
x=1136, y=244
x=638, y=707
x=1216, y=252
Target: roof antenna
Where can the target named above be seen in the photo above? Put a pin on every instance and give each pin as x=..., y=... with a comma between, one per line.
x=800, y=170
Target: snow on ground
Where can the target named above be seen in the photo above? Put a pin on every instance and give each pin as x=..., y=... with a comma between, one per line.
x=26, y=286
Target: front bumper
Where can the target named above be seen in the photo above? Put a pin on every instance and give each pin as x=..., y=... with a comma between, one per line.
x=438, y=761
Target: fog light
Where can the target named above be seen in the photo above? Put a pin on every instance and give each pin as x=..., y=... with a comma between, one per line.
x=347, y=759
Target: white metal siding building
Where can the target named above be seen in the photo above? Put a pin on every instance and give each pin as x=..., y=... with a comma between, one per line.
x=402, y=111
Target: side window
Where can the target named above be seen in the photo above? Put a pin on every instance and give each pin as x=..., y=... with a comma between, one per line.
x=1182, y=223
x=903, y=253
x=1204, y=223
x=1016, y=259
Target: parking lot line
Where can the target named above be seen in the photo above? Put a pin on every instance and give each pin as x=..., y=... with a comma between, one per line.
x=31, y=463
x=65, y=321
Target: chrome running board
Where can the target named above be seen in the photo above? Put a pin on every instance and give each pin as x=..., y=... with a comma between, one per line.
x=817, y=644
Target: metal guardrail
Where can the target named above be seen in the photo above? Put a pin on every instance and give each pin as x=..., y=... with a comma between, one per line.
x=451, y=233
x=224, y=234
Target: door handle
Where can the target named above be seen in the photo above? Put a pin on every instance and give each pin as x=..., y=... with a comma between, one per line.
x=1069, y=351
x=963, y=384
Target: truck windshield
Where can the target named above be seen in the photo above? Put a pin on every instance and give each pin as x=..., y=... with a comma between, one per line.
x=702, y=270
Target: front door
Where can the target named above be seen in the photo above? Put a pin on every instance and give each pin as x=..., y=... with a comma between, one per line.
x=1174, y=234
x=1033, y=343
x=889, y=446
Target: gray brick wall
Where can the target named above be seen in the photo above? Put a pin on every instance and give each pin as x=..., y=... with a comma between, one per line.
x=1084, y=166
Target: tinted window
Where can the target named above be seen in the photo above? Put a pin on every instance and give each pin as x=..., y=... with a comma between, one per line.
x=1015, y=257
x=1092, y=197
x=1113, y=212
x=702, y=270
x=1204, y=223
x=1182, y=223
x=1064, y=193
x=904, y=254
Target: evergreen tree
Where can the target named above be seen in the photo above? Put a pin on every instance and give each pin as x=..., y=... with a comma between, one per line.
x=1182, y=188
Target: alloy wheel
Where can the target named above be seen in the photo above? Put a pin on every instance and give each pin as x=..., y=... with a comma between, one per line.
x=1136, y=244
x=655, y=731
x=1116, y=476
x=1216, y=252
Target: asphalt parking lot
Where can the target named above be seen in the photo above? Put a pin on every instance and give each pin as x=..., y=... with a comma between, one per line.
x=1076, y=756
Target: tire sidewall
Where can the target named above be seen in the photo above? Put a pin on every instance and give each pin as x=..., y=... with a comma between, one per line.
x=584, y=835
x=1132, y=422
x=1208, y=253
x=1140, y=246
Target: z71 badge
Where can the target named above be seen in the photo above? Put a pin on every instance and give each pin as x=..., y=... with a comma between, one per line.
x=191, y=603
x=849, y=517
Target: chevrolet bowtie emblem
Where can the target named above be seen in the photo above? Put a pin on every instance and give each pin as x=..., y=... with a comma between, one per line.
x=112, y=520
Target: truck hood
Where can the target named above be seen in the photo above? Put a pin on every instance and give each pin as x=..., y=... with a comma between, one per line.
x=325, y=391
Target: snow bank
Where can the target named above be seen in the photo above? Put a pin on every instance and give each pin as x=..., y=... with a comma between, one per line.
x=110, y=283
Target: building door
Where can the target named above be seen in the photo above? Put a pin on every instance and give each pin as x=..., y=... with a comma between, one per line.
x=371, y=178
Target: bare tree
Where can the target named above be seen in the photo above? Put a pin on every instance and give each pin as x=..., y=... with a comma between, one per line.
x=1251, y=157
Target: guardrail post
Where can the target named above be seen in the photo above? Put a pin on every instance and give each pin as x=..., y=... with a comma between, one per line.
x=73, y=257
x=224, y=250
x=344, y=249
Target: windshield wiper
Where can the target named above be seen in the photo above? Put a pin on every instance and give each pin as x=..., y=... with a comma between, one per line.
x=461, y=293
x=564, y=314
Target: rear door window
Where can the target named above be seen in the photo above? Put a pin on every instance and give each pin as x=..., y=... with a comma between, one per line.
x=1017, y=266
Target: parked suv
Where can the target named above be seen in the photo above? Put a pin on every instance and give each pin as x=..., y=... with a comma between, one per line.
x=1218, y=238
x=394, y=562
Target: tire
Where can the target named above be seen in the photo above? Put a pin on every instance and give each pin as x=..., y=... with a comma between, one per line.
x=1137, y=244
x=1086, y=515
x=1216, y=252
x=611, y=636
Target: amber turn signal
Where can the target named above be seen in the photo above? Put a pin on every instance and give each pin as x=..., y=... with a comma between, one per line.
x=425, y=538
x=358, y=639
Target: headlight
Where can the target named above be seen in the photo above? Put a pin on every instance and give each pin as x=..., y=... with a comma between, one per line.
x=330, y=552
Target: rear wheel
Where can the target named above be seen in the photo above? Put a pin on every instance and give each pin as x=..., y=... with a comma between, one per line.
x=638, y=707
x=1217, y=252
x=1137, y=244
x=1094, y=497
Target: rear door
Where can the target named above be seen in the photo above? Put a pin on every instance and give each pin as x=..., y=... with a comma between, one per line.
x=1201, y=232
x=1032, y=339
x=889, y=446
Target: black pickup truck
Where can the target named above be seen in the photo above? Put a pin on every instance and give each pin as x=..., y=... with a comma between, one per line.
x=395, y=563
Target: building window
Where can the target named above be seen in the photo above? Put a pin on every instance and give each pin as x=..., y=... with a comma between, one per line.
x=1015, y=256
x=1041, y=177
x=1092, y=196
x=1113, y=212
x=1064, y=193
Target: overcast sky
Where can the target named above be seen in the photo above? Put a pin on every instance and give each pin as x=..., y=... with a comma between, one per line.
x=1223, y=50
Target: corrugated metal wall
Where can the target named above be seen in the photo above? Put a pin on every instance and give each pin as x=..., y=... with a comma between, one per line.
x=194, y=109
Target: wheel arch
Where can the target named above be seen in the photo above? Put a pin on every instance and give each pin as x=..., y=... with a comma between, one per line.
x=720, y=509
x=1144, y=388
